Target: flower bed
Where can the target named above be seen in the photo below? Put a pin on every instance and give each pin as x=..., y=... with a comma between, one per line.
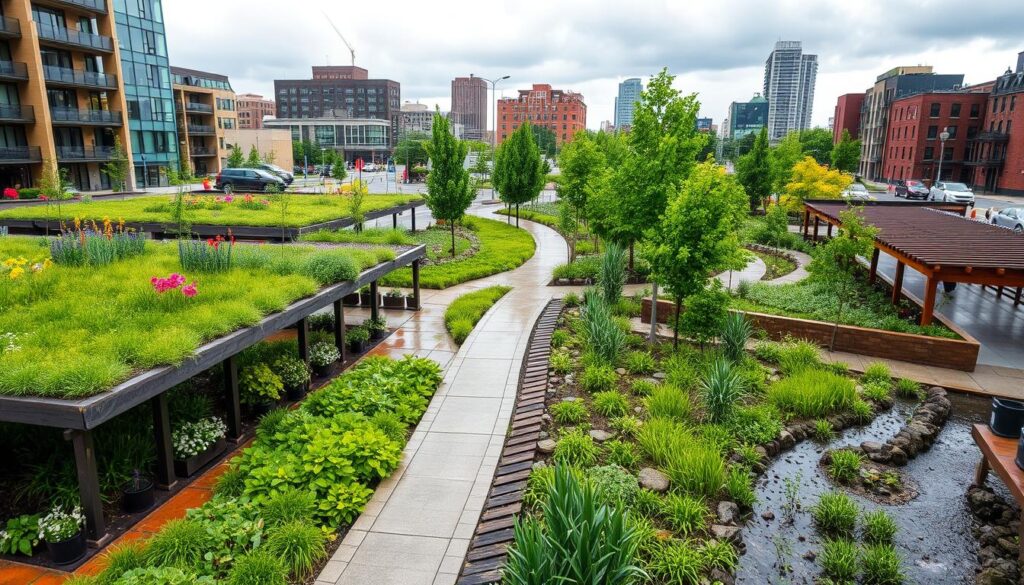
x=463, y=314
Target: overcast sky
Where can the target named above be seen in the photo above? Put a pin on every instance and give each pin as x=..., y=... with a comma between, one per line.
x=716, y=48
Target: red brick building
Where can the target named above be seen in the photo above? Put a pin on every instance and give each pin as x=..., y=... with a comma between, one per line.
x=563, y=112
x=252, y=108
x=997, y=157
x=847, y=116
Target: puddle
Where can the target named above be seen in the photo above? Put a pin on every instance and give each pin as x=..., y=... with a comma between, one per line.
x=934, y=537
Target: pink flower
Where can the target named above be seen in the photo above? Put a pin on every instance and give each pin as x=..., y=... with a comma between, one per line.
x=176, y=280
x=190, y=290
x=228, y=199
x=162, y=285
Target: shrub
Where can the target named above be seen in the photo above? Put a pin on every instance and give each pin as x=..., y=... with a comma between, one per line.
x=862, y=411
x=878, y=527
x=768, y=351
x=705, y=313
x=720, y=388
x=459, y=329
x=880, y=565
x=748, y=455
x=561, y=362
x=180, y=543
x=739, y=487
x=258, y=384
x=144, y=576
x=835, y=514
x=231, y=483
x=466, y=311
x=324, y=353
x=622, y=453
x=844, y=466
x=669, y=402
x=812, y=393
x=577, y=448
x=300, y=545
x=677, y=562
x=294, y=505
x=877, y=372
x=719, y=554
x=755, y=424
x=603, y=336
x=390, y=424
x=627, y=426
x=697, y=469
x=612, y=273
x=736, y=331
x=122, y=558
x=839, y=560
x=559, y=338
x=823, y=431
x=684, y=514
x=569, y=413
x=571, y=300
x=598, y=378
x=258, y=568
x=580, y=268
x=643, y=387
x=909, y=389
x=647, y=503
x=330, y=266
x=294, y=373
x=796, y=356
x=639, y=362
x=877, y=392
x=614, y=484
x=610, y=403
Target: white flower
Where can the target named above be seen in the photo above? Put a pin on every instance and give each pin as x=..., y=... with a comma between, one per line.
x=193, y=438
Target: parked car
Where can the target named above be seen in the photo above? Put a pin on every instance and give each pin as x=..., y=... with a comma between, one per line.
x=856, y=192
x=278, y=171
x=911, y=189
x=952, y=193
x=231, y=180
x=1011, y=217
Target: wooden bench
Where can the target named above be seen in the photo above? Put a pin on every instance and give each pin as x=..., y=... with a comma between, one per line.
x=998, y=454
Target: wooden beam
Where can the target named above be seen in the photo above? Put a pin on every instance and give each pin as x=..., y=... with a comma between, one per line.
x=816, y=223
x=165, y=477
x=88, y=484
x=374, y=300
x=929, y=301
x=1016, y=297
x=416, y=284
x=873, y=271
x=232, y=398
x=339, y=328
x=807, y=220
x=897, y=283
x=303, y=338
x=829, y=232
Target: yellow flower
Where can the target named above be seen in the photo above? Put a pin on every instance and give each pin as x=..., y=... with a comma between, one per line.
x=21, y=261
x=47, y=263
x=9, y=262
x=17, y=272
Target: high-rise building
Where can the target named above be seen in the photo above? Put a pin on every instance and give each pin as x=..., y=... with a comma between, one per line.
x=147, y=88
x=562, y=112
x=205, y=107
x=704, y=124
x=252, y=109
x=746, y=117
x=625, y=102
x=469, y=106
x=416, y=117
x=789, y=79
x=847, y=116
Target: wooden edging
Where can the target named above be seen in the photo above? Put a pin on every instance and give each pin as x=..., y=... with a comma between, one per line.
x=494, y=530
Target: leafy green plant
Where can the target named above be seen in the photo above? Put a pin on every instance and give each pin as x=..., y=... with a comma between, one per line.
x=357, y=334
x=839, y=560
x=559, y=338
x=862, y=411
x=798, y=355
x=878, y=527
x=880, y=565
x=627, y=426
x=755, y=424
x=122, y=558
x=823, y=431
x=647, y=503
x=612, y=276
x=603, y=336
x=720, y=388
x=571, y=300
x=258, y=568
x=294, y=373
x=639, y=362
x=909, y=389
x=739, y=487
x=323, y=354
x=576, y=447
x=748, y=455
x=613, y=483
x=598, y=378
x=677, y=562
x=293, y=505
x=469, y=309
x=643, y=387
x=180, y=543
x=20, y=535
x=736, y=331
x=877, y=372
x=258, y=384
x=561, y=362
x=719, y=554
x=705, y=314
x=610, y=403
x=877, y=392
x=812, y=393
x=685, y=514
x=669, y=402
x=621, y=453
x=569, y=413
x=835, y=514
x=300, y=545
x=156, y=576
x=844, y=466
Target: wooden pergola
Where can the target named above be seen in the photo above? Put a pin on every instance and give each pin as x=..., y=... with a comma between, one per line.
x=937, y=240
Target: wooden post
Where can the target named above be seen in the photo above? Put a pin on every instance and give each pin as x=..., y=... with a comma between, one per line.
x=374, y=301
x=999, y=292
x=807, y=221
x=873, y=272
x=413, y=211
x=981, y=472
x=929, y=300
x=232, y=398
x=817, y=222
x=416, y=284
x=303, y=326
x=339, y=328
x=829, y=232
x=1016, y=297
x=897, y=283
x=88, y=485
x=165, y=478
x=394, y=221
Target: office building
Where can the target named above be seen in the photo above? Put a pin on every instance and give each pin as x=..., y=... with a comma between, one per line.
x=205, y=107
x=469, y=106
x=625, y=102
x=147, y=88
x=897, y=83
x=789, y=79
x=847, y=116
x=746, y=117
x=607, y=126
x=351, y=138
x=273, y=144
x=58, y=105
x=704, y=124
x=562, y=112
x=416, y=118
x=343, y=92
x=253, y=109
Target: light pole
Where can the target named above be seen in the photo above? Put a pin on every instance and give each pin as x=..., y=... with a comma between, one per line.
x=145, y=173
x=323, y=169
x=494, y=118
x=943, y=137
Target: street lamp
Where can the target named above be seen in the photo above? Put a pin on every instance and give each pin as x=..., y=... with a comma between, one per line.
x=323, y=169
x=494, y=117
x=943, y=137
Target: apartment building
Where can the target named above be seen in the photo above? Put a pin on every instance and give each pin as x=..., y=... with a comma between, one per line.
x=562, y=112
x=790, y=77
x=205, y=106
x=252, y=109
x=997, y=153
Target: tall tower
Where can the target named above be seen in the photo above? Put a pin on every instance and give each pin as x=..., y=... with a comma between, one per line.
x=469, y=106
x=789, y=78
x=625, y=103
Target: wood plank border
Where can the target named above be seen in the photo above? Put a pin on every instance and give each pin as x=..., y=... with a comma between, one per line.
x=493, y=534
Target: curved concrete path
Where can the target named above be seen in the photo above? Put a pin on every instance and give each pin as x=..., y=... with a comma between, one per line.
x=417, y=527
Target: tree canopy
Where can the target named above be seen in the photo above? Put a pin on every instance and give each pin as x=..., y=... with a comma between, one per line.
x=545, y=139
x=583, y=168
x=410, y=149
x=449, y=191
x=254, y=160
x=817, y=142
x=846, y=153
x=809, y=180
x=518, y=169
x=236, y=159
x=783, y=157
x=754, y=171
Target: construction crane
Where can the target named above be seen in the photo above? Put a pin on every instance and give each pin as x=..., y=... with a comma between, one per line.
x=342, y=37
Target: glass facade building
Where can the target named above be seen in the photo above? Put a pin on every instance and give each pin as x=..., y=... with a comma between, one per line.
x=147, y=88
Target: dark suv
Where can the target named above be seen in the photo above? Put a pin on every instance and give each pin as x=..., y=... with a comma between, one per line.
x=911, y=189
x=231, y=180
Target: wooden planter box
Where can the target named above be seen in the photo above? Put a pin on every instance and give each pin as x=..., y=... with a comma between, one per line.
x=188, y=467
x=351, y=300
x=394, y=302
x=410, y=304
x=366, y=300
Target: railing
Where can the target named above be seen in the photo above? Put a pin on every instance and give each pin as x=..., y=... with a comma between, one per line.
x=94, y=5
x=10, y=26
x=77, y=115
x=69, y=76
x=199, y=129
x=201, y=151
x=198, y=107
x=74, y=37
x=13, y=70
x=19, y=113
x=20, y=153
x=84, y=152
x=987, y=136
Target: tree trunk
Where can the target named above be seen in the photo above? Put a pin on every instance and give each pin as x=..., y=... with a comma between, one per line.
x=654, y=312
x=453, y=239
x=675, y=336
x=508, y=213
x=835, y=327
x=517, y=215
x=631, y=257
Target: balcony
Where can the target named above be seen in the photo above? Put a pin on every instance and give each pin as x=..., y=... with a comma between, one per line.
x=84, y=153
x=67, y=77
x=10, y=28
x=987, y=162
x=13, y=71
x=198, y=107
x=80, y=117
x=201, y=151
x=94, y=6
x=70, y=38
x=19, y=155
x=992, y=137
x=200, y=130
x=17, y=114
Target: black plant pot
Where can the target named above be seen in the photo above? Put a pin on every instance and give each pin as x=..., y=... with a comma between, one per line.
x=366, y=299
x=261, y=408
x=296, y=394
x=322, y=371
x=137, y=498
x=410, y=304
x=1007, y=417
x=948, y=286
x=394, y=302
x=357, y=346
x=67, y=551
x=377, y=334
x=189, y=467
x=351, y=300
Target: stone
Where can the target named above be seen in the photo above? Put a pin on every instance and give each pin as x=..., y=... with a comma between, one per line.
x=726, y=533
x=761, y=452
x=768, y=515
x=897, y=457
x=554, y=380
x=638, y=410
x=720, y=576
x=659, y=376
x=810, y=555
x=545, y=418
x=870, y=447
x=728, y=512
x=600, y=436
x=539, y=465
x=653, y=480
x=786, y=440
x=543, y=435
x=992, y=576
x=620, y=371
x=546, y=446
x=570, y=399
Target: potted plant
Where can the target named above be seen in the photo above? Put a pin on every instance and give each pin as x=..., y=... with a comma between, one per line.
x=196, y=444
x=63, y=534
x=410, y=302
x=394, y=299
x=365, y=299
x=137, y=493
x=294, y=374
x=320, y=322
x=322, y=356
x=260, y=388
x=351, y=299
x=378, y=327
x=357, y=338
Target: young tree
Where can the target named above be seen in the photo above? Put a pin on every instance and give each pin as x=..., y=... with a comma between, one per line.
x=270, y=158
x=705, y=313
x=410, y=149
x=53, y=185
x=697, y=234
x=613, y=145
x=846, y=154
x=117, y=169
x=236, y=159
x=254, y=160
x=582, y=165
x=755, y=172
x=817, y=142
x=545, y=139
x=338, y=172
x=783, y=157
x=359, y=192
x=181, y=178
x=809, y=180
x=517, y=169
x=449, y=190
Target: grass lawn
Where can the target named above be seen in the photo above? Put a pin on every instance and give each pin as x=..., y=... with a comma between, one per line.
x=75, y=331
x=466, y=311
x=302, y=210
x=777, y=265
x=437, y=240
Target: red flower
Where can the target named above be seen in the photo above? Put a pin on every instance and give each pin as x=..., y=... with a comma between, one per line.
x=10, y=193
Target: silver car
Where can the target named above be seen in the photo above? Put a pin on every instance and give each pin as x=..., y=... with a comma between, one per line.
x=952, y=193
x=856, y=192
x=1011, y=217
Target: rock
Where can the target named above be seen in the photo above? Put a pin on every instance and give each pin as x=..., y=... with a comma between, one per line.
x=539, y=465
x=870, y=447
x=810, y=555
x=786, y=440
x=620, y=371
x=546, y=419
x=638, y=410
x=600, y=436
x=728, y=512
x=719, y=576
x=653, y=480
x=1008, y=546
x=659, y=376
x=570, y=399
x=546, y=446
x=543, y=435
x=897, y=457
x=727, y=533
x=768, y=515
x=992, y=576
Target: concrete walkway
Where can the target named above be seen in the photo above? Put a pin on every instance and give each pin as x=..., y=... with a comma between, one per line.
x=417, y=527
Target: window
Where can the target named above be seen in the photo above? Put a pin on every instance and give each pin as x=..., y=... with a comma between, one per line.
x=954, y=111
x=995, y=102
x=933, y=131
x=947, y=153
x=1002, y=104
x=1013, y=102
x=952, y=131
x=975, y=110
x=936, y=109
x=929, y=153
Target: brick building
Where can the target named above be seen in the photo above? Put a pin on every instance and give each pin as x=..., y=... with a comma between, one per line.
x=469, y=105
x=563, y=112
x=997, y=158
x=847, y=116
x=252, y=108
